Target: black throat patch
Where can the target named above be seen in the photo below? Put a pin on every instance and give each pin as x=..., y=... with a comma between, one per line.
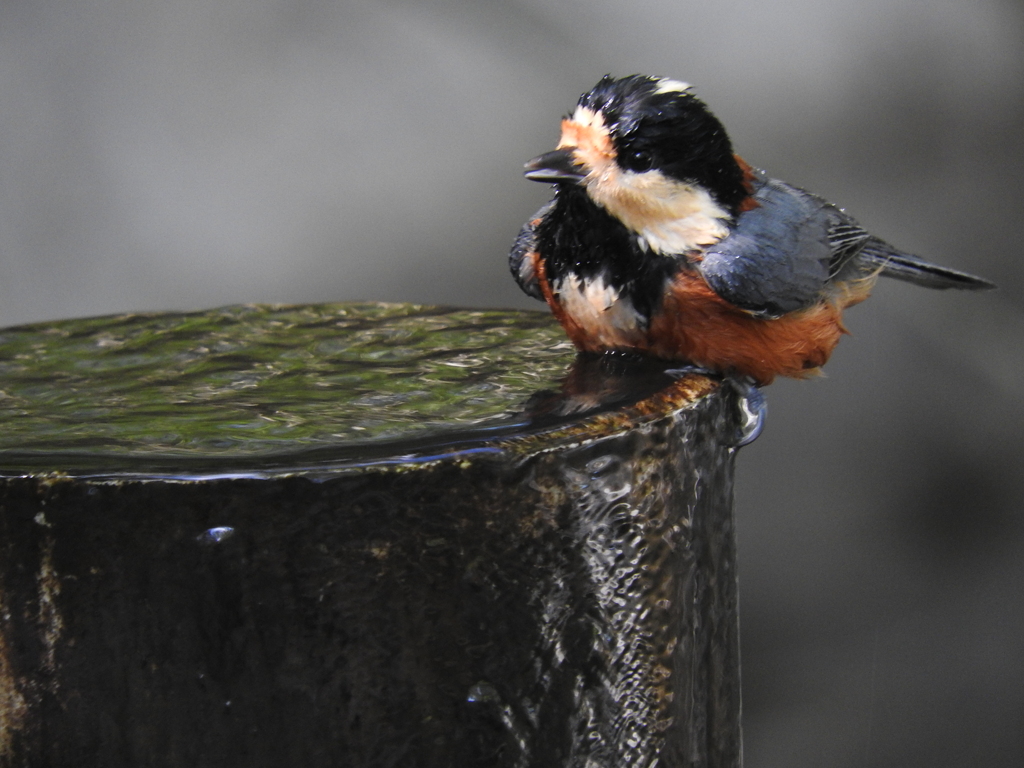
x=580, y=238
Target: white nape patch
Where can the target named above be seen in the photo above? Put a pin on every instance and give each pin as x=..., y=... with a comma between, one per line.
x=668, y=85
x=670, y=216
x=598, y=308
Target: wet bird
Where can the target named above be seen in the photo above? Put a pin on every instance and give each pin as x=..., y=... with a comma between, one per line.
x=661, y=241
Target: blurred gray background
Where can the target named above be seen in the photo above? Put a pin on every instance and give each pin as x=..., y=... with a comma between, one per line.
x=195, y=153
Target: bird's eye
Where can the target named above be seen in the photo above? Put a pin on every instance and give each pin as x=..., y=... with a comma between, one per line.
x=639, y=161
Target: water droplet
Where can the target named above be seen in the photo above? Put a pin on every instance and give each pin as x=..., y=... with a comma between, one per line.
x=610, y=477
x=215, y=535
x=482, y=692
x=600, y=464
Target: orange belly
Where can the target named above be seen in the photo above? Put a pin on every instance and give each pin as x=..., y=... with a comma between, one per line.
x=695, y=325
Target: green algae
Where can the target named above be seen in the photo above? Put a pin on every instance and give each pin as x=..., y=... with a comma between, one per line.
x=256, y=380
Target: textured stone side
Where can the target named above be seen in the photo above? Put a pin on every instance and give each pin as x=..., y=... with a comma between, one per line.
x=573, y=606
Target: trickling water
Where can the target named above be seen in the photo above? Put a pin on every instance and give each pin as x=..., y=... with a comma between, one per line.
x=215, y=535
x=636, y=575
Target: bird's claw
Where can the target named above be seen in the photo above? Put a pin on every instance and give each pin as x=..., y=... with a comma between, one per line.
x=752, y=408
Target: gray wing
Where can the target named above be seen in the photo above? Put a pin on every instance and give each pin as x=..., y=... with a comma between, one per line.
x=785, y=254
x=781, y=255
x=520, y=259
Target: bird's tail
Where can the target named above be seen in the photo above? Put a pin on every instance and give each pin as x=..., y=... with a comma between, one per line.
x=912, y=269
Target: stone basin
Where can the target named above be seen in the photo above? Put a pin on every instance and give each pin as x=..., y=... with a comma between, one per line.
x=361, y=535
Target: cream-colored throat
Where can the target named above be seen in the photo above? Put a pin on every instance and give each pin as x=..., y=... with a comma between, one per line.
x=669, y=215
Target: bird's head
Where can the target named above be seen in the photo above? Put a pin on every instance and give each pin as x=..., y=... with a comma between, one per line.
x=651, y=154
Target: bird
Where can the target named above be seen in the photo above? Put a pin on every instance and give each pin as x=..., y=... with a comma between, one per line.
x=661, y=241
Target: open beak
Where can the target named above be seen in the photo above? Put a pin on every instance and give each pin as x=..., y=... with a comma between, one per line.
x=559, y=165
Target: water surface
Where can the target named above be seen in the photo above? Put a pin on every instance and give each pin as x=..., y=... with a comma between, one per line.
x=242, y=386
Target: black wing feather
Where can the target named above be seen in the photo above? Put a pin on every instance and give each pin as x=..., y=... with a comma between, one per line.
x=520, y=259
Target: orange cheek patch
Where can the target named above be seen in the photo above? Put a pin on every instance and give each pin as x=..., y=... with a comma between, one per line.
x=592, y=143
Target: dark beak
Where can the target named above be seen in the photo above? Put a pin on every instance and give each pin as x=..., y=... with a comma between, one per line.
x=559, y=165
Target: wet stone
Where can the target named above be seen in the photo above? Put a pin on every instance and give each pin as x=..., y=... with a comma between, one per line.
x=361, y=535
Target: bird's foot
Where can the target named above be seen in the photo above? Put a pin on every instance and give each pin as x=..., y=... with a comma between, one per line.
x=752, y=410
x=691, y=370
